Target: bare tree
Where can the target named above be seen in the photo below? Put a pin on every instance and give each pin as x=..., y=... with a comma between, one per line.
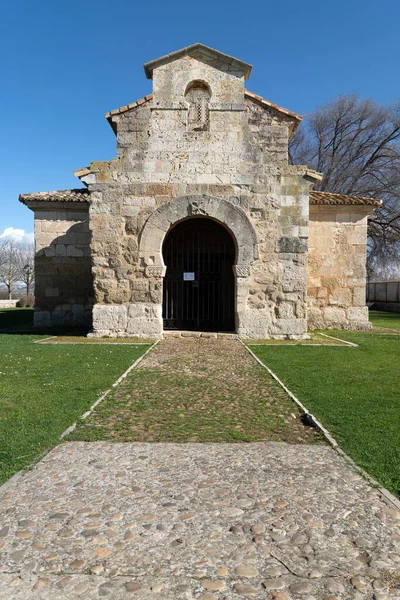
x=356, y=145
x=27, y=260
x=10, y=263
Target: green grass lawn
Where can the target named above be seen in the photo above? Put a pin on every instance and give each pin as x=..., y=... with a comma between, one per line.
x=385, y=319
x=353, y=392
x=46, y=388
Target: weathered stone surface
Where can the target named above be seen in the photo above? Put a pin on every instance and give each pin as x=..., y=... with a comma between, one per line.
x=337, y=267
x=113, y=318
x=63, y=278
x=325, y=532
x=227, y=162
x=246, y=571
x=233, y=170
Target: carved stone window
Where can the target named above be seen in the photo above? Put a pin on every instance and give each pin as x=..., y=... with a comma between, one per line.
x=198, y=96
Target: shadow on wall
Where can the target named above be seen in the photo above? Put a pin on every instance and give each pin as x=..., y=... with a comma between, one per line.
x=64, y=294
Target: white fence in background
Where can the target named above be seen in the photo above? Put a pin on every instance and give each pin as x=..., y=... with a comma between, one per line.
x=8, y=303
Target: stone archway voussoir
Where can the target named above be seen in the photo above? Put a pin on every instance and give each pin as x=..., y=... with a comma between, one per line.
x=162, y=219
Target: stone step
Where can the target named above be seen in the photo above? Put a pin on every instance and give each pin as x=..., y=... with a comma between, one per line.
x=200, y=334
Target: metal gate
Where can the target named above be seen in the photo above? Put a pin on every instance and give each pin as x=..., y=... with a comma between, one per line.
x=198, y=293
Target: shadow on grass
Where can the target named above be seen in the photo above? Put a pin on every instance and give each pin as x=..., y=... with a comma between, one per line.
x=20, y=321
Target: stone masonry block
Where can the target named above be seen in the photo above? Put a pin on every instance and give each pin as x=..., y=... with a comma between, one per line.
x=292, y=245
x=357, y=313
x=110, y=317
x=340, y=297
x=335, y=315
x=41, y=318
x=233, y=170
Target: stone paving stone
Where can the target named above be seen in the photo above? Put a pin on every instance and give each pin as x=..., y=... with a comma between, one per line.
x=269, y=521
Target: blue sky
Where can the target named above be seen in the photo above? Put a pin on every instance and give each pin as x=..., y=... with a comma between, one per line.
x=64, y=64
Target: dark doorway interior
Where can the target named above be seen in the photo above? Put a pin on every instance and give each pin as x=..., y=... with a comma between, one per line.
x=199, y=286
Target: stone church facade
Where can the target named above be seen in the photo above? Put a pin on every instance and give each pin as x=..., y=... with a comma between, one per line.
x=199, y=222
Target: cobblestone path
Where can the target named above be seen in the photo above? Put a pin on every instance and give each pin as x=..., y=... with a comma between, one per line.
x=196, y=521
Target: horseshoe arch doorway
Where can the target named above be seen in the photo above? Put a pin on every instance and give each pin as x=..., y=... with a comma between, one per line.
x=199, y=284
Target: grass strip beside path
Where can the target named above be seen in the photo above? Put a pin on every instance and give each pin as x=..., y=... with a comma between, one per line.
x=353, y=392
x=197, y=390
x=46, y=388
x=75, y=339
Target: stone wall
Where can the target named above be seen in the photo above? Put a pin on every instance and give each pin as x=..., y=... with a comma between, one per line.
x=240, y=160
x=63, y=279
x=337, y=267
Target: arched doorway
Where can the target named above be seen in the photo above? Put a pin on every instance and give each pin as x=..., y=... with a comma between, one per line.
x=199, y=285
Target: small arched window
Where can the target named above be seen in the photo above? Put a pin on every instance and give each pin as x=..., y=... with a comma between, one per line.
x=198, y=96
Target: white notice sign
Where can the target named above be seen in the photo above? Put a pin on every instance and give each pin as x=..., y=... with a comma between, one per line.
x=188, y=277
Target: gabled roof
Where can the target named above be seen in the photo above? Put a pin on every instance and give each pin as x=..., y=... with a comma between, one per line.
x=130, y=106
x=123, y=109
x=269, y=104
x=250, y=95
x=327, y=198
x=77, y=195
x=197, y=51
x=82, y=195
x=294, y=117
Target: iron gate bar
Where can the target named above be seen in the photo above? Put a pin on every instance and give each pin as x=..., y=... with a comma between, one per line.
x=206, y=248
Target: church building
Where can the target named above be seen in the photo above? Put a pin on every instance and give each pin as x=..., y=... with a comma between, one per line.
x=200, y=223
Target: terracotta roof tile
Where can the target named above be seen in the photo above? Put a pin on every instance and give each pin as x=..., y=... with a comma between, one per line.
x=77, y=195
x=265, y=102
x=82, y=195
x=327, y=198
x=294, y=117
x=127, y=107
x=297, y=118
